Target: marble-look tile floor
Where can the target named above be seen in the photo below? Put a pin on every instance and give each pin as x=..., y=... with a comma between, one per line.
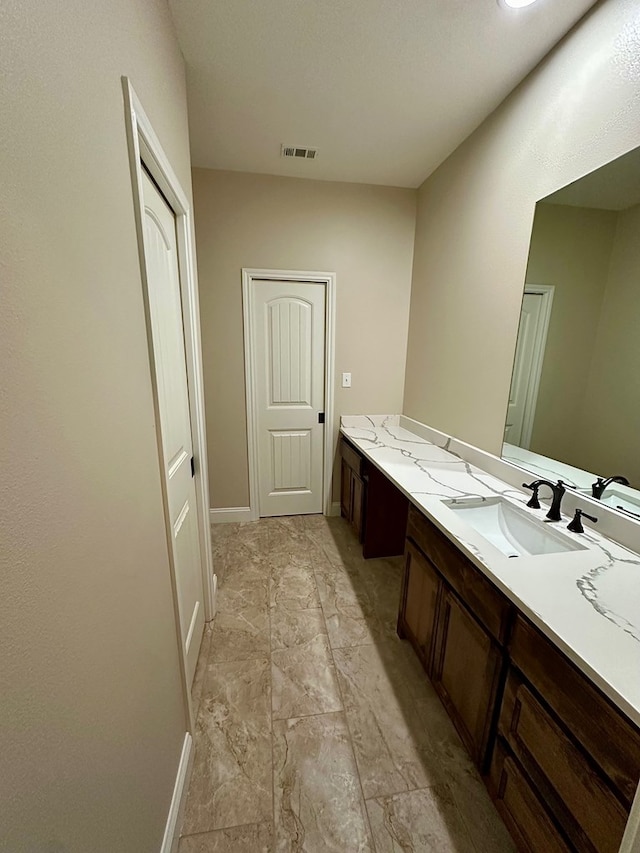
x=316, y=729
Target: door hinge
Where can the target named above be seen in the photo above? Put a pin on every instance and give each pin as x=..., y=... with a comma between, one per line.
x=193, y=467
x=320, y=417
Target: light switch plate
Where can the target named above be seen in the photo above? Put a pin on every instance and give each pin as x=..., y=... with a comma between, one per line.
x=346, y=380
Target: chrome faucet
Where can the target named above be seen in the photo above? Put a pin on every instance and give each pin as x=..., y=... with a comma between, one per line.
x=600, y=485
x=558, y=490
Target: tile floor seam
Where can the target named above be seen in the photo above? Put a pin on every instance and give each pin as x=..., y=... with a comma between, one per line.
x=386, y=643
x=361, y=598
x=222, y=829
x=306, y=716
x=349, y=730
x=257, y=658
x=409, y=791
x=327, y=649
x=273, y=764
x=354, y=645
x=240, y=660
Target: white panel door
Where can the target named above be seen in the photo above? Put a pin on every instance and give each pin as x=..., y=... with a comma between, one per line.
x=523, y=368
x=289, y=345
x=165, y=308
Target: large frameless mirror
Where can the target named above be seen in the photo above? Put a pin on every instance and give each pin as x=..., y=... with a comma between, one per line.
x=574, y=402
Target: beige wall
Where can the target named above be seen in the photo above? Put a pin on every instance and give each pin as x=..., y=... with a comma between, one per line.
x=577, y=110
x=611, y=413
x=570, y=249
x=91, y=716
x=362, y=233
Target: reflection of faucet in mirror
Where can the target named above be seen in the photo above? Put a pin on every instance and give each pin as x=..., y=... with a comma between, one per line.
x=558, y=490
x=601, y=484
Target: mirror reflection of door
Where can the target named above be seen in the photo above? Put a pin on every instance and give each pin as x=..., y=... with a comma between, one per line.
x=532, y=336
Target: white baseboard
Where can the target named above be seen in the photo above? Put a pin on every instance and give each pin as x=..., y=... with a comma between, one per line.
x=176, y=809
x=230, y=513
x=224, y=515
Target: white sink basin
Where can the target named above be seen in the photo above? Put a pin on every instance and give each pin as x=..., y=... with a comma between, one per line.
x=510, y=529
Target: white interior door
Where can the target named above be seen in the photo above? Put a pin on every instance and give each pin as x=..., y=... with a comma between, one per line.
x=527, y=364
x=289, y=345
x=165, y=308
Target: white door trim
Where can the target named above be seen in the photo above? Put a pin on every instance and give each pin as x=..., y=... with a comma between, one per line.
x=546, y=291
x=329, y=281
x=144, y=146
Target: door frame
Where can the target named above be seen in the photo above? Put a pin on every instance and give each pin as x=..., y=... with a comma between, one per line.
x=328, y=279
x=144, y=147
x=546, y=292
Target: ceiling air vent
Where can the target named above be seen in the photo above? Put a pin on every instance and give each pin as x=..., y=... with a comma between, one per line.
x=299, y=152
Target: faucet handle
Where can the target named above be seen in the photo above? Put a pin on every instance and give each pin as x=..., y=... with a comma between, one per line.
x=533, y=501
x=575, y=526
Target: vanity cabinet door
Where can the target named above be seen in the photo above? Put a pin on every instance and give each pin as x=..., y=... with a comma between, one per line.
x=353, y=487
x=419, y=604
x=467, y=667
x=345, y=490
x=358, y=493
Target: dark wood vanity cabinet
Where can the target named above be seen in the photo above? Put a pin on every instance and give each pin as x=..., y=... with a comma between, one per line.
x=576, y=755
x=417, y=618
x=522, y=810
x=560, y=760
x=375, y=508
x=352, y=486
x=467, y=668
x=455, y=620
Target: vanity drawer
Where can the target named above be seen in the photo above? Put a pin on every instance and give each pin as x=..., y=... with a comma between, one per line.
x=605, y=733
x=520, y=808
x=489, y=606
x=582, y=801
x=352, y=458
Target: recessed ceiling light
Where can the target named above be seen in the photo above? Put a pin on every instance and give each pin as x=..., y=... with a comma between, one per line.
x=515, y=4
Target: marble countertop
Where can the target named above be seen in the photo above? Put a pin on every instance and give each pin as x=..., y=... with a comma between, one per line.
x=587, y=602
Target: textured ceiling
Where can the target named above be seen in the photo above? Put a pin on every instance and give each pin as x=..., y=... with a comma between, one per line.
x=385, y=89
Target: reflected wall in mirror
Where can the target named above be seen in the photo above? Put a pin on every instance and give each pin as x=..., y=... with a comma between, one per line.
x=575, y=390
